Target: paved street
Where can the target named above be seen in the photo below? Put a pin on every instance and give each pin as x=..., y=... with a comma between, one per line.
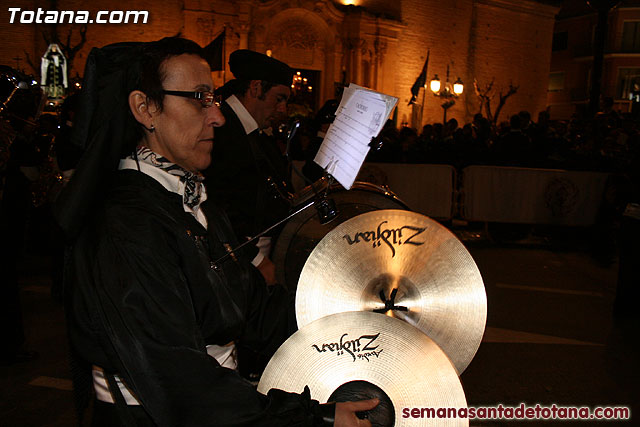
x=550, y=337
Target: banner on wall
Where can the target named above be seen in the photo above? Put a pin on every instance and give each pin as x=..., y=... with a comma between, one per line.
x=532, y=196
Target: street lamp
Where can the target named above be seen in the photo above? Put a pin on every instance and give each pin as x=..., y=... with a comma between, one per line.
x=448, y=92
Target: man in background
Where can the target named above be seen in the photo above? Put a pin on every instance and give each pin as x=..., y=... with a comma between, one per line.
x=248, y=174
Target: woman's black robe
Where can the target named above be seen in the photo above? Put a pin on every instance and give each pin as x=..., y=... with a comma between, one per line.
x=146, y=298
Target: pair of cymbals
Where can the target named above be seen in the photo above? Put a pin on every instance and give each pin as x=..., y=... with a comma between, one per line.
x=359, y=355
x=390, y=305
x=402, y=264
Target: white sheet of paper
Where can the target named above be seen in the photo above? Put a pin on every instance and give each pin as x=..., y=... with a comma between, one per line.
x=360, y=116
x=390, y=101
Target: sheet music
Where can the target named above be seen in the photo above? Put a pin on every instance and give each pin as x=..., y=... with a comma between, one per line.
x=360, y=116
x=390, y=101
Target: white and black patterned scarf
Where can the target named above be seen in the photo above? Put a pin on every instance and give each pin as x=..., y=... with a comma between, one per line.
x=192, y=181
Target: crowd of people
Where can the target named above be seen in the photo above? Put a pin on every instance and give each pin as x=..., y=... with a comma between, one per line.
x=608, y=142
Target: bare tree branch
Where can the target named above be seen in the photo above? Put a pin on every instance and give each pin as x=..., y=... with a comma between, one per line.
x=68, y=42
x=46, y=38
x=478, y=94
x=485, y=94
x=71, y=51
x=31, y=64
x=487, y=107
x=503, y=99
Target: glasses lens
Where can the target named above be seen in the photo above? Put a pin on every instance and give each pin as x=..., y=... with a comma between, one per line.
x=217, y=99
x=209, y=98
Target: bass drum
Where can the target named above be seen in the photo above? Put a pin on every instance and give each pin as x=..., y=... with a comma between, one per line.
x=302, y=233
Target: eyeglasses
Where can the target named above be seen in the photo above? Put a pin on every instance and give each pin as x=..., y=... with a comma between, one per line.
x=207, y=99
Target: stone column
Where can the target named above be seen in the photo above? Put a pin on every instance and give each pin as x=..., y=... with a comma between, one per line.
x=243, y=30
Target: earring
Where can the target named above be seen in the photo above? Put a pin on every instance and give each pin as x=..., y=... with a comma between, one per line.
x=151, y=129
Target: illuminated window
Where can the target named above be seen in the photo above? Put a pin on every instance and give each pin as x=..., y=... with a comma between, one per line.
x=627, y=77
x=556, y=81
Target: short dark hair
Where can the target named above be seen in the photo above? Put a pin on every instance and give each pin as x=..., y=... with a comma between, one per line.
x=152, y=73
x=154, y=54
x=241, y=86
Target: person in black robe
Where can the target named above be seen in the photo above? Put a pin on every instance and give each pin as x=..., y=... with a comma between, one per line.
x=154, y=294
x=249, y=176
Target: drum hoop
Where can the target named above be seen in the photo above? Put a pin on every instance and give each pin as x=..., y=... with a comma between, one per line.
x=291, y=227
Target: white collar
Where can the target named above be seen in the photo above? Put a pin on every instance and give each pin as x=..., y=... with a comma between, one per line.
x=170, y=182
x=248, y=122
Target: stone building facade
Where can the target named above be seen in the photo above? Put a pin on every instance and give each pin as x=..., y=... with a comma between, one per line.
x=375, y=43
x=572, y=57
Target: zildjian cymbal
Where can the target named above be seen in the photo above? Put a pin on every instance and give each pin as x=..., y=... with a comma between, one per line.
x=361, y=355
x=402, y=264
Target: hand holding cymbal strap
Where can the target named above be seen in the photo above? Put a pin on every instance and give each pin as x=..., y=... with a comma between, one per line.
x=356, y=356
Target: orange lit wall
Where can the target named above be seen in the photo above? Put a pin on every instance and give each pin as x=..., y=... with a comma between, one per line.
x=379, y=43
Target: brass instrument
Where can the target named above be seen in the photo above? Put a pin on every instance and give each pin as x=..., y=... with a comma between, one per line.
x=21, y=102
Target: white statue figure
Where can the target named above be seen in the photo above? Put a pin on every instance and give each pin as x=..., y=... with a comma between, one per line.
x=53, y=71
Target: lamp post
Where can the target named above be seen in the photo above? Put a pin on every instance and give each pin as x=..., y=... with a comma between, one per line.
x=603, y=7
x=447, y=92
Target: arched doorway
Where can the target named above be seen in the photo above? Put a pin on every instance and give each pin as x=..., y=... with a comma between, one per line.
x=304, y=98
x=305, y=41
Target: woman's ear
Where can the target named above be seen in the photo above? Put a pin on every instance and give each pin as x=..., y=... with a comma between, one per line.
x=139, y=105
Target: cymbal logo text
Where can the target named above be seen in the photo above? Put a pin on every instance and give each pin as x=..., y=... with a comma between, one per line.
x=390, y=237
x=355, y=347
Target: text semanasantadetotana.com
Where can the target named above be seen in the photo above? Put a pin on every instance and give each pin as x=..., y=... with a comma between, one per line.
x=41, y=16
x=523, y=412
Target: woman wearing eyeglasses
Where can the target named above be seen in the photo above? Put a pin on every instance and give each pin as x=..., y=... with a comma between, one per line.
x=152, y=308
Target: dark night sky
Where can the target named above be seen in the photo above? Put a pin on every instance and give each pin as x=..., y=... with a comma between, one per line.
x=580, y=7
